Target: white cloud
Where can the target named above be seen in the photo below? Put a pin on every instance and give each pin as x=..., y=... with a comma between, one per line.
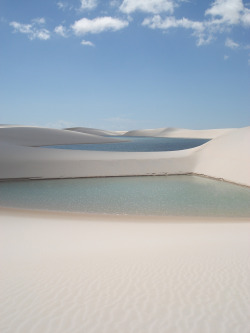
x=226, y=11
x=231, y=44
x=41, y=34
x=39, y=20
x=87, y=43
x=148, y=6
x=61, y=30
x=23, y=28
x=229, y=13
x=198, y=28
x=64, y=5
x=61, y=5
x=226, y=57
x=33, y=30
x=88, y=4
x=246, y=17
x=98, y=25
x=220, y=17
x=171, y=22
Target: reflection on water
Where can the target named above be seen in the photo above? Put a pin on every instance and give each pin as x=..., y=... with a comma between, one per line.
x=151, y=195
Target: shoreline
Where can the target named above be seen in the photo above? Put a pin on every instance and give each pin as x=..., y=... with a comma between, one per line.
x=130, y=176
x=51, y=214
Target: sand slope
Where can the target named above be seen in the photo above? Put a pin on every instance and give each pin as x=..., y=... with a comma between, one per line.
x=226, y=157
x=40, y=136
x=171, y=132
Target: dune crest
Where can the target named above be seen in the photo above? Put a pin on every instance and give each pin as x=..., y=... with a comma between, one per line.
x=42, y=136
x=171, y=132
x=95, y=131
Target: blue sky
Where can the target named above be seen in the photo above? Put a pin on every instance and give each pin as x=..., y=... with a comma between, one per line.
x=125, y=64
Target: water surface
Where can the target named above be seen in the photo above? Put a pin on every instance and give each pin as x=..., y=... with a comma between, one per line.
x=150, y=195
x=139, y=144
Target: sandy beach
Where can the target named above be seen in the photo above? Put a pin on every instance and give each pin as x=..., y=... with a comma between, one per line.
x=68, y=272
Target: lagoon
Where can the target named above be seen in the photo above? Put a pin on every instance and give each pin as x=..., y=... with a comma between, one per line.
x=138, y=144
x=148, y=195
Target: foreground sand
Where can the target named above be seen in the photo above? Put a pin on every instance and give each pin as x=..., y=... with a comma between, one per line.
x=75, y=273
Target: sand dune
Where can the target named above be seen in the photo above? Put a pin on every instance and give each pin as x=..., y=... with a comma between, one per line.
x=95, y=131
x=171, y=132
x=65, y=273
x=40, y=136
x=226, y=157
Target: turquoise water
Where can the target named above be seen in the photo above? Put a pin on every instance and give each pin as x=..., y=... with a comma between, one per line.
x=151, y=195
x=139, y=144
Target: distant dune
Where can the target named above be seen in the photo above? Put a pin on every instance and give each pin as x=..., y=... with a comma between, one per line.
x=227, y=156
x=171, y=132
x=41, y=136
x=95, y=131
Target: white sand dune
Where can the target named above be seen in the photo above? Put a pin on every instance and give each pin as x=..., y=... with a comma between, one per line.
x=225, y=157
x=41, y=136
x=171, y=132
x=68, y=274
x=95, y=131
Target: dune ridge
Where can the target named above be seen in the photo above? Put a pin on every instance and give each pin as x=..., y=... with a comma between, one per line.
x=171, y=132
x=95, y=131
x=42, y=136
x=167, y=132
x=225, y=157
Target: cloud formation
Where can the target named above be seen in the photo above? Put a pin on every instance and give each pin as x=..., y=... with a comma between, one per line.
x=61, y=30
x=231, y=44
x=98, y=25
x=222, y=15
x=87, y=43
x=34, y=30
x=88, y=4
x=148, y=6
x=228, y=12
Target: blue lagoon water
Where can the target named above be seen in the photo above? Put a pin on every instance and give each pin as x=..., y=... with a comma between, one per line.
x=149, y=195
x=139, y=144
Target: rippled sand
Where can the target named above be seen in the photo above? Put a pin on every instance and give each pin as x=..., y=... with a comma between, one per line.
x=82, y=274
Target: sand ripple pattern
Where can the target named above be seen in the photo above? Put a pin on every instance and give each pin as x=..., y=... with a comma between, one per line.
x=123, y=277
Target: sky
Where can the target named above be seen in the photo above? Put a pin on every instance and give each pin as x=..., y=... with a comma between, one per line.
x=125, y=64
